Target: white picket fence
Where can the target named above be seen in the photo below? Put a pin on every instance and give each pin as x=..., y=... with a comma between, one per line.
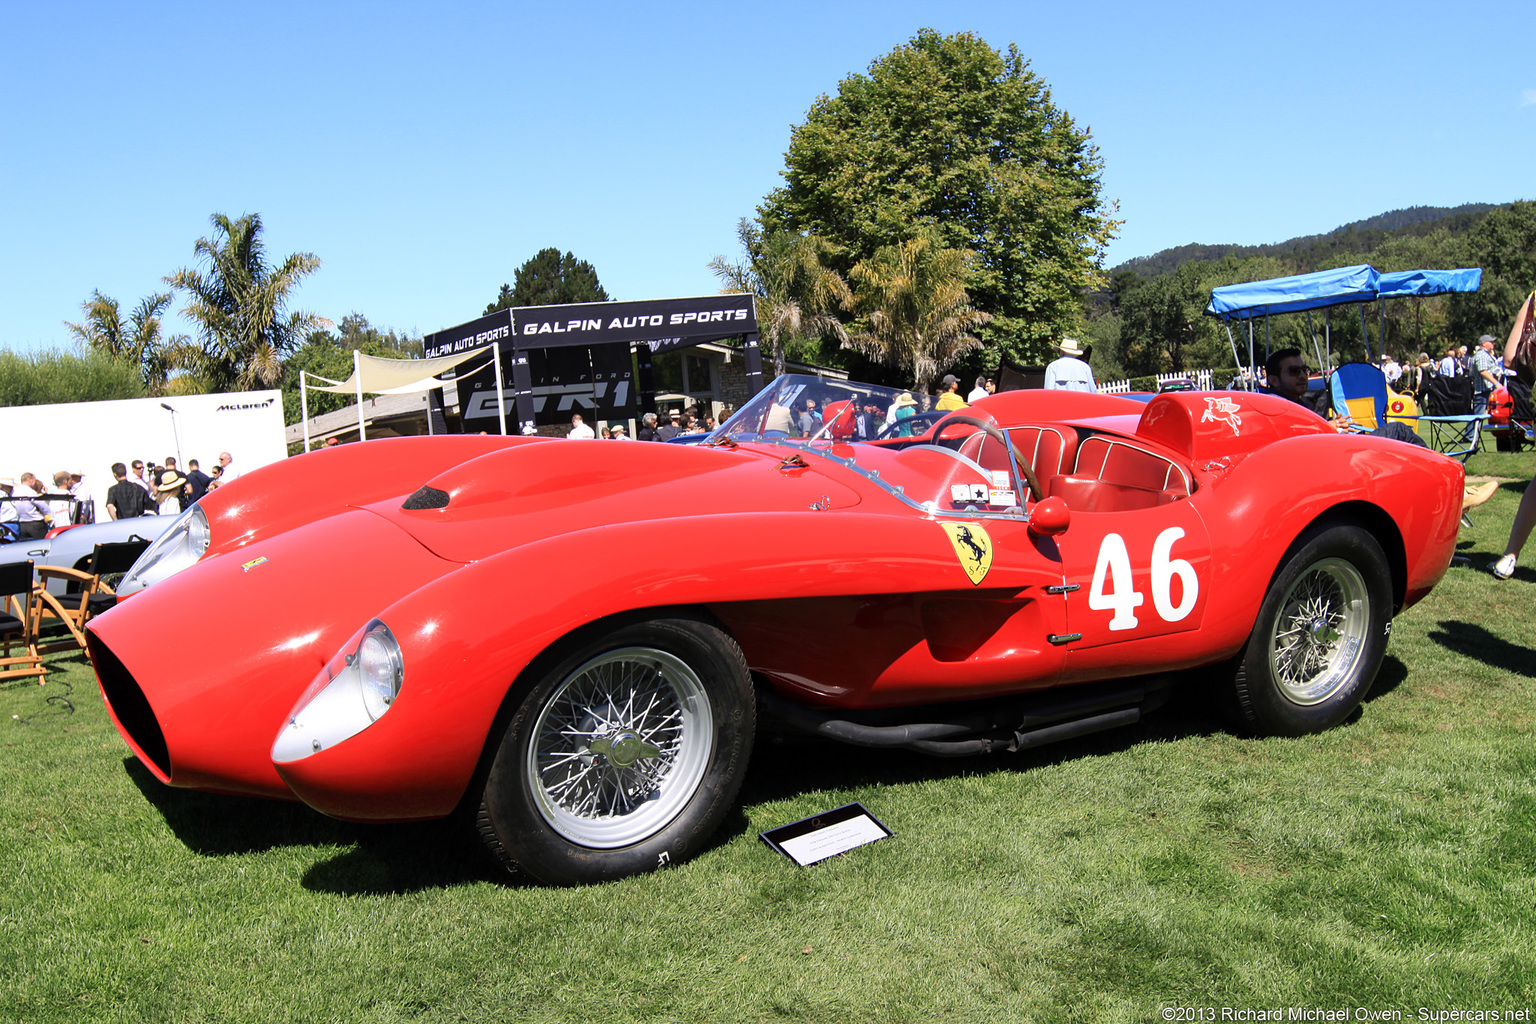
x=1202, y=379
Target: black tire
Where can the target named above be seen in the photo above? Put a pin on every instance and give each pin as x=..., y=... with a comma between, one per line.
x=646, y=737
x=1320, y=636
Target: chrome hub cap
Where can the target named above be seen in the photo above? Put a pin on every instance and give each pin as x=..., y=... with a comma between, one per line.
x=1320, y=632
x=620, y=747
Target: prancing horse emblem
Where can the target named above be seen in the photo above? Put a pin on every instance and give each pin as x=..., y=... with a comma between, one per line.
x=1223, y=410
x=974, y=548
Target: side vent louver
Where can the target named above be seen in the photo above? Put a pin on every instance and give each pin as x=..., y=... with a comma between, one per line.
x=427, y=497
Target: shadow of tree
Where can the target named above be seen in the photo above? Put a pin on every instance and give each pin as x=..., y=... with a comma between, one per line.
x=1478, y=644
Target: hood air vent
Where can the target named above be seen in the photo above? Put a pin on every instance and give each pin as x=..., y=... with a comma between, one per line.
x=427, y=497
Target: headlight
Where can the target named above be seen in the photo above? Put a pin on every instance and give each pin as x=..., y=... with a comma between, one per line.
x=379, y=669
x=351, y=693
x=183, y=543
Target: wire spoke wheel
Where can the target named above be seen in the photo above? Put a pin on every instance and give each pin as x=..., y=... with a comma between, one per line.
x=1319, y=635
x=620, y=747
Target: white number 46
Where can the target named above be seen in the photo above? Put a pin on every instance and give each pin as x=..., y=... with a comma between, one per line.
x=1121, y=596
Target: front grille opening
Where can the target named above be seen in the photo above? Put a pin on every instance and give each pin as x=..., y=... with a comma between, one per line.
x=129, y=704
x=427, y=497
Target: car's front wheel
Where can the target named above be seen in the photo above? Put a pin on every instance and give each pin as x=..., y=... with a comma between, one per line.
x=1320, y=636
x=624, y=756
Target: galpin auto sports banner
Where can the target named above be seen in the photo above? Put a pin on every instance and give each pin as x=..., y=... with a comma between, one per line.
x=557, y=360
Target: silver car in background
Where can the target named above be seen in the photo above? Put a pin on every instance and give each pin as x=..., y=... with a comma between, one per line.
x=72, y=548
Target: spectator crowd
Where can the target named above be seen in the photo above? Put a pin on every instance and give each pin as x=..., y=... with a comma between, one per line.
x=29, y=508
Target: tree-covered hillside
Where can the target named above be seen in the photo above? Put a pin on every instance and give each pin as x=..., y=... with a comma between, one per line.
x=1152, y=320
x=1356, y=236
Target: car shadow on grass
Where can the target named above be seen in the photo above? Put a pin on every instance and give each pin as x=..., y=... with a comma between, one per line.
x=784, y=766
x=378, y=859
x=1480, y=644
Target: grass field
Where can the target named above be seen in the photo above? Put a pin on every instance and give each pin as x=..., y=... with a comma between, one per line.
x=1386, y=866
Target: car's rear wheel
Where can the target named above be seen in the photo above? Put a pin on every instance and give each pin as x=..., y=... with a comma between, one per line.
x=622, y=757
x=1320, y=636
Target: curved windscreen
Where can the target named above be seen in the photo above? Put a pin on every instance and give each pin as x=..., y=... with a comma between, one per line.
x=956, y=462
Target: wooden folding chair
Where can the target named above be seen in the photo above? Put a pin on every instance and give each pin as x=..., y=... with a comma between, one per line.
x=20, y=627
x=93, y=596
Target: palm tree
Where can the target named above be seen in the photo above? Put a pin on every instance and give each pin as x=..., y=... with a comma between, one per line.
x=797, y=293
x=138, y=342
x=915, y=313
x=239, y=306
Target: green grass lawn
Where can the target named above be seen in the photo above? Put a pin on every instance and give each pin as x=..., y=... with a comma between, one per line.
x=1389, y=864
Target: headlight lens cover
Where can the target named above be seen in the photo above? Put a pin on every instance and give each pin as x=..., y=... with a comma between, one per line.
x=355, y=689
x=183, y=543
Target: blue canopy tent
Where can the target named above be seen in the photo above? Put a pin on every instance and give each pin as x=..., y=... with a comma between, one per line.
x=1341, y=286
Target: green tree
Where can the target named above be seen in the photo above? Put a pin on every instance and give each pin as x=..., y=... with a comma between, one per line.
x=138, y=342
x=550, y=279
x=948, y=132
x=240, y=306
x=914, y=310
x=1504, y=245
x=329, y=355
x=797, y=294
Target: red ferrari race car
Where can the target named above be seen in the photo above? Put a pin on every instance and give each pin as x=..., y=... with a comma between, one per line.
x=576, y=641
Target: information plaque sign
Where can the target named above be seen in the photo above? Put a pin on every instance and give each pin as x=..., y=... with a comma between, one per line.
x=826, y=835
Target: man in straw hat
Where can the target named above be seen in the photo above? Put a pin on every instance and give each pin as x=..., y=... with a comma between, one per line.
x=1071, y=372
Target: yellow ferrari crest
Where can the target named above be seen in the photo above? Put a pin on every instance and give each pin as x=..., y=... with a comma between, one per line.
x=973, y=547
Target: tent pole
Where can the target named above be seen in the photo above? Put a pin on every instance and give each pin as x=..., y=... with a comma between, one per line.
x=1237, y=359
x=1364, y=337
x=304, y=409
x=357, y=375
x=1252, y=366
x=501, y=404
x=1315, y=346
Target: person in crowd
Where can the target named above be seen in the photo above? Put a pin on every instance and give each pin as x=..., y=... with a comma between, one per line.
x=1448, y=366
x=215, y=477
x=904, y=408
x=125, y=499
x=1418, y=377
x=331, y=442
x=227, y=467
x=85, y=502
x=674, y=426
x=647, y=427
x=809, y=420
x=618, y=432
x=709, y=422
x=1391, y=370
x=32, y=513
x=138, y=479
x=197, y=482
x=1520, y=364
x=869, y=420
x=1071, y=372
x=169, y=488
x=7, y=509
x=1485, y=375
x=60, y=511
x=579, y=430
x=981, y=390
x=949, y=394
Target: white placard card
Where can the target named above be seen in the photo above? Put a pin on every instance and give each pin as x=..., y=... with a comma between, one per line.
x=826, y=835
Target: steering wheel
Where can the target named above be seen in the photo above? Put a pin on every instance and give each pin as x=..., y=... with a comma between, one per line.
x=1035, y=490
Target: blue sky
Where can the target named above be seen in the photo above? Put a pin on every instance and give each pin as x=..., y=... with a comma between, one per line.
x=424, y=151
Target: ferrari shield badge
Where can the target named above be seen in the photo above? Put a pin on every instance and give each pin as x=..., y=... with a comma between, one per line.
x=973, y=547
